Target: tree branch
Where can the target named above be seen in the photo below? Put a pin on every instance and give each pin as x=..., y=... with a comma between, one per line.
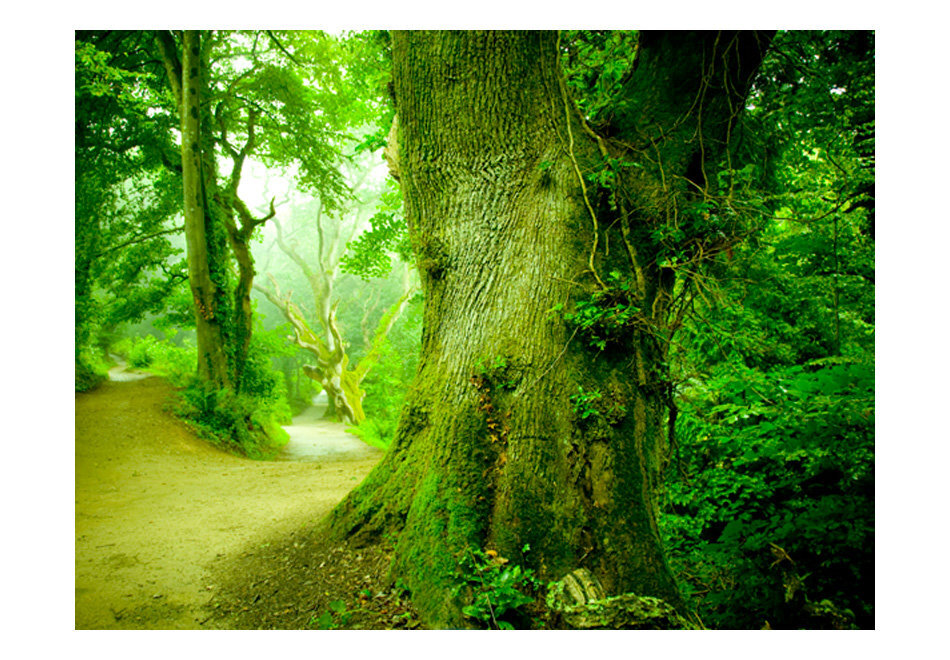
x=281, y=48
x=305, y=337
x=140, y=239
x=291, y=252
x=168, y=49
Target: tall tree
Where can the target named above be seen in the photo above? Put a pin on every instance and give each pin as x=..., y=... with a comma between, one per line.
x=322, y=337
x=204, y=233
x=124, y=192
x=243, y=96
x=527, y=427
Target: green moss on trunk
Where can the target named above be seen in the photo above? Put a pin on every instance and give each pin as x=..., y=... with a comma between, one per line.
x=497, y=459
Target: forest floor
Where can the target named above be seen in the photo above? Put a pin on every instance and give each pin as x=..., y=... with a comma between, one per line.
x=173, y=533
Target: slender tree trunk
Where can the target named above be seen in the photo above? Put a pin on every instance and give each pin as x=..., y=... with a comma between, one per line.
x=501, y=457
x=244, y=313
x=210, y=316
x=239, y=238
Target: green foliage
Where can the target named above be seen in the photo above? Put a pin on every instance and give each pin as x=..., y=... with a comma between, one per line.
x=236, y=422
x=769, y=502
x=585, y=402
x=388, y=382
x=91, y=368
x=377, y=431
x=125, y=197
x=139, y=353
x=335, y=617
x=607, y=316
x=370, y=255
x=594, y=64
x=98, y=77
x=369, y=73
x=295, y=84
x=248, y=423
x=162, y=358
x=783, y=457
x=495, y=588
x=261, y=380
x=496, y=372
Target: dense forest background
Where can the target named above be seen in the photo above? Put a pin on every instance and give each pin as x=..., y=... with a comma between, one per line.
x=767, y=499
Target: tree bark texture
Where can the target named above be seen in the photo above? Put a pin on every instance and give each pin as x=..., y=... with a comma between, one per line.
x=490, y=450
x=206, y=252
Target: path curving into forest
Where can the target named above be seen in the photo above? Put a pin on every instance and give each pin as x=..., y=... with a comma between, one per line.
x=159, y=511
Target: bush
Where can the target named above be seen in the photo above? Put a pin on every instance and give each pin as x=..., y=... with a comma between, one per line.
x=386, y=387
x=235, y=422
x=174, y=363
x=249, y=422
x=90, y=371
x=142, y=351
x=772, y=508
x=374, y=432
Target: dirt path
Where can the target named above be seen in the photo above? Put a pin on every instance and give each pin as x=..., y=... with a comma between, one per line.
x=157, y=508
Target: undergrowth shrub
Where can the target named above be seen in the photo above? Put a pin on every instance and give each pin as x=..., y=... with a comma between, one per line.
x=249, y=422
x=174, y=363
x=495, y=589
x=375, y=432
x=142, y=352
x=236, y=422
x=91, y=369
x=770, y=503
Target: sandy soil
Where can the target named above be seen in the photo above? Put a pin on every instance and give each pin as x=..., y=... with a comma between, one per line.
x=159, y=511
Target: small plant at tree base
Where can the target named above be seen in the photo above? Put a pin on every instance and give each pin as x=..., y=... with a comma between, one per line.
x=335, y=617
x=498, y=588
x=495, y=371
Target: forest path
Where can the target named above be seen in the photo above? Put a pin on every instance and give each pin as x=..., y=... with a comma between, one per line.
x=157, y=508
x=313, y=438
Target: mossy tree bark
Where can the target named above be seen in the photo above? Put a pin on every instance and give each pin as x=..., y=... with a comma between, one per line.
x=215, y=216
x=207, y=251
x=240, y=225
x=491, y=451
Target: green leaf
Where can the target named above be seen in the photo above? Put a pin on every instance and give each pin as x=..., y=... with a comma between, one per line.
x=325, y=621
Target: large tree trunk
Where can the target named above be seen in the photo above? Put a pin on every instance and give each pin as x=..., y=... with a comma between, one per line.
x=491, y=451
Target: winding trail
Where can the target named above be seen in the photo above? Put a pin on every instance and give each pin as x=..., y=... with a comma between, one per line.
x=157, y=507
